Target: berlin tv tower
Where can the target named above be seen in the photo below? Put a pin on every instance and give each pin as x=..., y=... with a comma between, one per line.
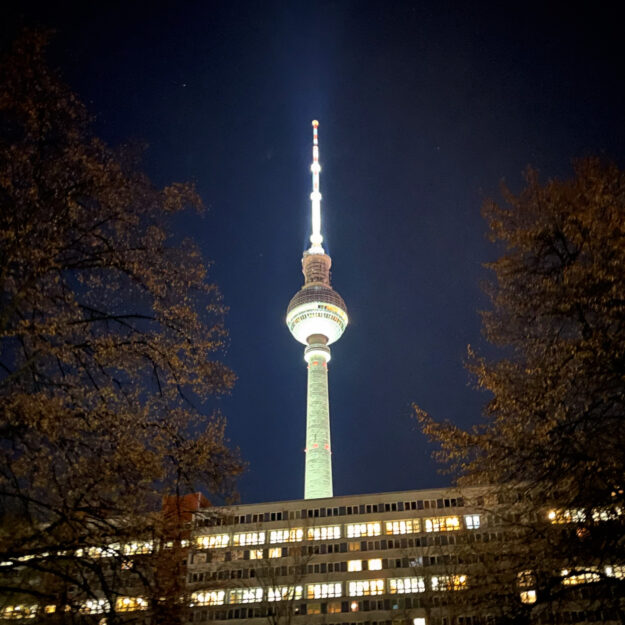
x=317, y=317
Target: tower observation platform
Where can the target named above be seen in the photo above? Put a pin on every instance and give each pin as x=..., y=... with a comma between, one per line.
x=317, y=317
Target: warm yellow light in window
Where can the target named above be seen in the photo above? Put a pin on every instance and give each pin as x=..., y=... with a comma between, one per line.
x=208, y=597
x=366, y=587
x=246, y=595
x=354, y=565
x=409, y=526
x=334, y=607
x=275, y=552
x=248, y=538
x=585, y=577
x=442, y=524
x=356, y=530
x=286, y=536
x=285, y=593
x=256, y=554
x=448, y=582
x=528, y=596
x=213, y=541
x=331, y=532
x=406, y=585
x=375, y=564
x=324, y=591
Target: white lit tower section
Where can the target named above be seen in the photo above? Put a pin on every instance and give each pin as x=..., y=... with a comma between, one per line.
x=317, y=317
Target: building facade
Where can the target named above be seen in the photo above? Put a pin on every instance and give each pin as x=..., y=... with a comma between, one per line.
x=376, y=558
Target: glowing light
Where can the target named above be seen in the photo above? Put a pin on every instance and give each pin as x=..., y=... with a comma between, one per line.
x=315, y=197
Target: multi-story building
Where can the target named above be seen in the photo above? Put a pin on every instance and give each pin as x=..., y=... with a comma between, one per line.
x=376, y=558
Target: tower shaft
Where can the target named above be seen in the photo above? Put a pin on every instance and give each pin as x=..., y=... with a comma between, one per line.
x=318, y=475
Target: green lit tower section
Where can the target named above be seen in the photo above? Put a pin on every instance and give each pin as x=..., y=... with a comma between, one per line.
x=317, y=317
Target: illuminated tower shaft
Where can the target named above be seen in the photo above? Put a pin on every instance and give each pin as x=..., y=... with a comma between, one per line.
x=317, y=317
x=318, y=478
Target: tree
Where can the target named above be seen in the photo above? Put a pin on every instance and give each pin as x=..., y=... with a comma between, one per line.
x=552, y=446
x=109, y=332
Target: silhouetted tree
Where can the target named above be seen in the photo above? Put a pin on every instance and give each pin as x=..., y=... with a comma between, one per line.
x=109, y=331
x=552, y=447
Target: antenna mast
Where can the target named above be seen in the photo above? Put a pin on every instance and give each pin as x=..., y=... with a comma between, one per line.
x=315, y=197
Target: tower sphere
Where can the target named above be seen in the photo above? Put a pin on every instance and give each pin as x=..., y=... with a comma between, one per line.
x=316, y=313
x=317, y=310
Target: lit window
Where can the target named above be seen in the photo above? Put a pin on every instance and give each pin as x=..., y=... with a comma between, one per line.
x=585, y=577
x=213, y=541
x=248, y=538
x=286, y=536
x=334, y=607
x=442, y=524
x=331, y=532
x=324, y=591
x=606, y=514
x=132, y=549
x=375, y=564
x=356, y=530
x=245, y=595
x=405, y=585
x=418, y=621
x=354, y=546
x=19, y=611
x=567, y=516
x=275, y=552
x=528, y=596
x=366, y=587
x=94, y=606
x=285, y=593
x=616, y=570
x=449, y=582
x=410, y=526
x=208, y=597
x=354, y=565
x=472, y=521
x=256, y=554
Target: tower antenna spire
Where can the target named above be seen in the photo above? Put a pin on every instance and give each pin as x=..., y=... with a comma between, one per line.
x=315, y=197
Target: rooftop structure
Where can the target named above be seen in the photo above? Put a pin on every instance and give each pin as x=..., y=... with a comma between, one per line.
x=317, y=317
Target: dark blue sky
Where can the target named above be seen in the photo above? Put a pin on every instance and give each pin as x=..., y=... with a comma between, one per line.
x=423, y=107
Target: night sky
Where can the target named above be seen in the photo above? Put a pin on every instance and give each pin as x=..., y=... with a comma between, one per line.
x=424, y=107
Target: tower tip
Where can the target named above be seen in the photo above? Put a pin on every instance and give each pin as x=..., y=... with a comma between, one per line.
x=315, y=123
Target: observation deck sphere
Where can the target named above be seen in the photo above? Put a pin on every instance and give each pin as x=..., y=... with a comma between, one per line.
x=317, y=309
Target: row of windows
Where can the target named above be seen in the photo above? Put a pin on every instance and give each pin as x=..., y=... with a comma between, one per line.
x=91, y=606
x=314, y=513
x=354, y=546
x=333, y=532
x=355, y=588
x=345, y=566
x=329, y=607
